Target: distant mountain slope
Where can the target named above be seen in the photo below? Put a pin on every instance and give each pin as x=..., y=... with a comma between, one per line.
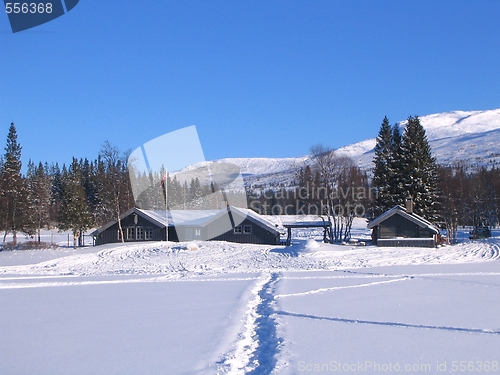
x=471, y=136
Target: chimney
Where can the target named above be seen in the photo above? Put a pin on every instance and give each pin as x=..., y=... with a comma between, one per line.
x=409, y=205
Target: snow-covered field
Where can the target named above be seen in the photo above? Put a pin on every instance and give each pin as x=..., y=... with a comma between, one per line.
x=161, y=308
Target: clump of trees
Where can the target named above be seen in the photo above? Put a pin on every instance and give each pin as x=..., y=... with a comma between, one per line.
x=330, y=185
x=405, y=168
x=84, y=195
x=469, y=196
x=342, y=190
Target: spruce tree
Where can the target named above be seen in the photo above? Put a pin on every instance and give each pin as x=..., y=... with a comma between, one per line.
x=419, y=171
x=382, y=171
x=397, y=194
x=56, y=192
x=38, y=199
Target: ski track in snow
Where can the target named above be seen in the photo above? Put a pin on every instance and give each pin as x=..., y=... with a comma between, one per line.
x=391, y=324
x=395, y=278
x=322, y=290
x=258, y=344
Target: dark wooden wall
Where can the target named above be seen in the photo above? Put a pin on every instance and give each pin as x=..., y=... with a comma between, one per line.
x=260, y=233
x=110, y=235
x=398, y=226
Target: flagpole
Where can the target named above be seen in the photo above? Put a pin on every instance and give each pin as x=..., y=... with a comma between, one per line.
x=166, y=201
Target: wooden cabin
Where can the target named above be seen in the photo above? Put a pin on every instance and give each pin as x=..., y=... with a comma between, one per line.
x=231, y=224
x=400, y=227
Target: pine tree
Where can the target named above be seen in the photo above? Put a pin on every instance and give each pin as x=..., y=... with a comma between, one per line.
x=3, y=214
x=13, y=191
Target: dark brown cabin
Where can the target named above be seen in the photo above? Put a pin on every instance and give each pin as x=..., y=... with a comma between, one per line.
x=231, y=224
x=400, y=228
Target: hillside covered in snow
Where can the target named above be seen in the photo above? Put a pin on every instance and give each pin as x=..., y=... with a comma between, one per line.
x=459, y=136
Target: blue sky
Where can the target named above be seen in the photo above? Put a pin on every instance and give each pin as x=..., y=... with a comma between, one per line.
x=257, y=78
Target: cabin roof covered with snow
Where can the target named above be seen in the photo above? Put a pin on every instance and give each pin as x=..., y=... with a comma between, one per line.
x=401, y=211
x=206, y=220
x=188, y=218
x=307, y=224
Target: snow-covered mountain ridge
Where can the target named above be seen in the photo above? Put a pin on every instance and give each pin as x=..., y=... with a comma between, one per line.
x=470, y=136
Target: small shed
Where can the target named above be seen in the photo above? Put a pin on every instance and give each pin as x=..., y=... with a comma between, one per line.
x=401, y=228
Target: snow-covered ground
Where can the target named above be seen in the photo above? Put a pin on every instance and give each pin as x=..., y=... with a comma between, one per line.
x=161, y=308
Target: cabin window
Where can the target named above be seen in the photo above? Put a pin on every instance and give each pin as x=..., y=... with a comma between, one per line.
x=247, y=229
x=119, y=234
x=130, y=233
x=237, y=230
x=148, y=234
x=139, y=233
x=197, y=232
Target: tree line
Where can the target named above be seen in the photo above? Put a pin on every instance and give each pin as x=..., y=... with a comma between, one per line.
x=469, y=196
x=83, y=195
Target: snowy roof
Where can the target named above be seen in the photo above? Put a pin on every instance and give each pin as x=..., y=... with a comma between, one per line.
x=182, y=218
x=399, y=210
x=159, y=217
x=249, y=214
x=254, y=216
x=307, y=224
x=195, y=218
x=177, y=217
x=123, y=215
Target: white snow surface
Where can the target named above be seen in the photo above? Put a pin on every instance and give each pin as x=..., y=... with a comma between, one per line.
x=224, y=308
